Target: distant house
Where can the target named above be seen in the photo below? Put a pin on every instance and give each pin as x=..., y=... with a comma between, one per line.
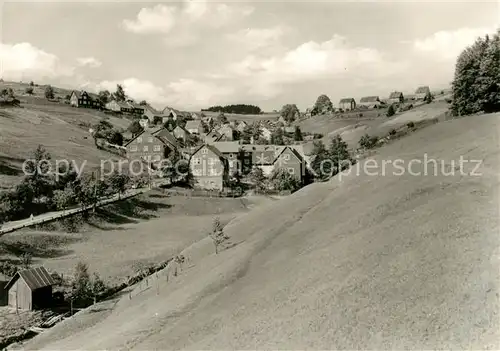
x=84, y=99
x=240, y=126
x=396, y=97
x=119, y=106
x=422, y=92
x=347, y=104
x=194, y=127
x=227, y=131
x=152, y=144
x=213, y=136
x=136, y=109
x=181, y=133
x=231, y=151
x=209, y=168
x=152, y=114
x=30, y=289
x=370, y=102
x=261, y=156
x=265, y=132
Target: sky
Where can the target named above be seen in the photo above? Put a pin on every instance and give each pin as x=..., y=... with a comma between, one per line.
x=194, y=54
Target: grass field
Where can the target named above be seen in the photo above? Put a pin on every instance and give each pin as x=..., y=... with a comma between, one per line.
x=63, y=130
x=149, y=229
x=246, y=118
x=361, y=262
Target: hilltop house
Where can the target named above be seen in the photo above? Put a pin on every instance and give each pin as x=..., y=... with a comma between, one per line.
x=152, y=144
x=84, y=99
x=194, y=127
x=30, y=289
x=209, y=168
x=422, y=92
x=396, y=97
x=370, y=102
x=347, y=104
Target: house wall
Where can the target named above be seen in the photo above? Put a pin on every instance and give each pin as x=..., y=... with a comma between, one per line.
x=146, y=145
x=346, y=106
x=113, y=106
x=207, y=169
x=73, y=100
x=23, y=293
x=289, y=161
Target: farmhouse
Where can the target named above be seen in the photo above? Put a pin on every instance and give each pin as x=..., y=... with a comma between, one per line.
x=152, y=144
x=421, y=92
x=396, y=97
x=194, y=127
x=261, y=156
x=181, y=133
x=347, y=104
x=290, y=160
x=226, y=131
x=84, y=99
x=119, y=106
x=231, y=151
x=209, y=168
x=370, y=102
x=137, y=109
x=30, y=289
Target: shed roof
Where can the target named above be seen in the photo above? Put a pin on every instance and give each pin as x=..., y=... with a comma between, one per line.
x=369, y=99
x=35, y=278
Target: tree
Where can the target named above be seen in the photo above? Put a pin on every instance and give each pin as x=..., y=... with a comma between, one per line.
x=251, y=131
x=339, y=153
x=29, y=90
x=103, y=129
x=277, y=137
x=120, y=95
x=367, y=141
x=171, y=170
x=104, y=96
x=323, y=105
x=328, y=162
x=143, y=103
x=118, y=182
x=282, y=180
x=97, y=285
x=38, y=173
x=135, y=128
x=26, y=260
x=64, y=198
x=290, y=112
x=297, y=134
x=217, y=234
x=116, y=138
x=258, y=178
x=81, y=287
x=428, y=97
x=32, y=84
x=391, y=111
x=49, y=92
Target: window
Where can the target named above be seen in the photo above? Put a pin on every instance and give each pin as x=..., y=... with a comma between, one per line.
x=212, y=171
x=231, y=155
x=150, y=139
x=133, y=148
x=145, y=148
x=231, y=163
x=287, y=157
x=291, y=170
x=211, y=161
x=204, y=151
x=157, y=148
x=139, y=139
x=196, y=161
x=197, y=172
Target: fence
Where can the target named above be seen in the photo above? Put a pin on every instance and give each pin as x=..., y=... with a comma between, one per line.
x=204, y=193
x=66, y=213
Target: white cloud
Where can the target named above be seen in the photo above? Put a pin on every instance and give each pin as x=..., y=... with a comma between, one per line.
x=25, y=61
x=191, y=17
x=256, y=38
x=447, y=45
x=89, y=61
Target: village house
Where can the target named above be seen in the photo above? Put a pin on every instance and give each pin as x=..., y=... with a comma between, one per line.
x=209, y=168
x=226, y=131
x=370, y=102
x=136, y=108
x=396, y=97
x=152, y=114
x=347, y=104
x=212, y=136
x=231, y=151
x=240, y=126
x=181, y=133
x=290, y=160
x=261, y=156
x=422, y=92
x=266, y=131
x=194, y=127
x=30, y=289
x=84, y=99
x=152, y=145
x=119, y=106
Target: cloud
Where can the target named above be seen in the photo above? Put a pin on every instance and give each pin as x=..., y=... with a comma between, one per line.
x=447, y=45
x=89, y=61
x=256, y=38
x=186, y=20
x=25, y=61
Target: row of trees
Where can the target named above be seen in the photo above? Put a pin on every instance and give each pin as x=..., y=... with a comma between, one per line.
x=242, y=109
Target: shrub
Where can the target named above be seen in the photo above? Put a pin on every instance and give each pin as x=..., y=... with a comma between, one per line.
x=367, y=141
x=26, y=260
x=410, y=125
x=49, y=92
x=390, y=111
x=392, y=132
x=29, y=90
x=282, y=180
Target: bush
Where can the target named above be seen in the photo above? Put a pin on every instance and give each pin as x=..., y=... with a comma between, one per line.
x=368, y=142
x=410, y=125
x=391, y=111
x=282, y=180
x=29, y=90
x=392, y=132
x=49, y=92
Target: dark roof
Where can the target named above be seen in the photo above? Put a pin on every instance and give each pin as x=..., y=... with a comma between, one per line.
x=79, y=94
x=395, y=95
x=166, y=137
x=423, y=90
x=346, y=100
x=35, y=278
x=369, y=99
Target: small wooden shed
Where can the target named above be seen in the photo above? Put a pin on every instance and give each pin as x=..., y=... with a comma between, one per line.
x=30, y=289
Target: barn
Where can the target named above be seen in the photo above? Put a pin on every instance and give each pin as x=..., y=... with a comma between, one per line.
x=30, y=289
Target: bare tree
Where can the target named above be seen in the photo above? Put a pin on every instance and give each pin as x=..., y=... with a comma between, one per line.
x=217, y=235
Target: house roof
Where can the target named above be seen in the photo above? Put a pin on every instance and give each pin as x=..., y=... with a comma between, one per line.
x=346, y=100
x=35, y=278
x=395, y=95
x=369, y=99
x=227, y=146
x=293, y=152
x=211, y=148
x=422, y=90
x=165, y=136
x=79, y=94
x=193, y=124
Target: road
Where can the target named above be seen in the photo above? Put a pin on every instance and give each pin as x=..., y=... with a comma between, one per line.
x=49, y=216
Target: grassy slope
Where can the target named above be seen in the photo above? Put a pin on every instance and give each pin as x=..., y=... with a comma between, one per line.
x=368, y=262
x=163, y=227
x=54, y=125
